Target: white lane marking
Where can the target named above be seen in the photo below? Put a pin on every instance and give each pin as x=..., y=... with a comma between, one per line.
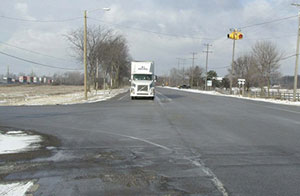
x=158, y=100
x=199, y=163
x=209, y=173
x=139, y=139
x=123, y=97
x=149, y=142
x=291, y=111
x=219, y=185
x=164, y=96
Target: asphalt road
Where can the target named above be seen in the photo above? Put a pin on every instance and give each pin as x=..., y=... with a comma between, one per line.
x=179, y=144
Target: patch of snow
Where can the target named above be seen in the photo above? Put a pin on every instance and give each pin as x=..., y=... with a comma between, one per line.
x=14, y=132
x=18, y=141
x=284, y=102
x=71, y=98
x=15, y=189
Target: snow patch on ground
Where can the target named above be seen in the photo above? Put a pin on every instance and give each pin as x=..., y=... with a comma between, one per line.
x=64, y=99
x=15, y=189
x=18, y=141
x=285, y=102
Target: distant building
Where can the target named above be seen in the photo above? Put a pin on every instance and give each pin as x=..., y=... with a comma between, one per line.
x=23, y=79
x=29, y=79
x=36, y=80
x=7, y=80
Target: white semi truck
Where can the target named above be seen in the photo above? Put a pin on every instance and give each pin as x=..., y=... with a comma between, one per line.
x=142, y=79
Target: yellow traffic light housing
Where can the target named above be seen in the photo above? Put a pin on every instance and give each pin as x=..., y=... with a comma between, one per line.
x=231, y=35
x=236, y=35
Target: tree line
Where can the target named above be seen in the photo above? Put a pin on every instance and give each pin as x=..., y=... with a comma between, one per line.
x=107, y=53
x=193, y=76
x=259, y=67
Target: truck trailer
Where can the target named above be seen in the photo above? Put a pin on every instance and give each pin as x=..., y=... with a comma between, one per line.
x=142, y=79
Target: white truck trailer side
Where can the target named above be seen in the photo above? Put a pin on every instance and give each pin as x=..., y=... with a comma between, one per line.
x=142, y=79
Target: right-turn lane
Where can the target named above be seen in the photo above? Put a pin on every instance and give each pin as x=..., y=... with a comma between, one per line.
x=253, y=148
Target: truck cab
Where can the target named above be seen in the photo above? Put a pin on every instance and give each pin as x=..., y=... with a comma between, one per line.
x=142, y=80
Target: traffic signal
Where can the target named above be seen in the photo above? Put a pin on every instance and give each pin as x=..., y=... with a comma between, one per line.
x=231, y=35
x=239, y=35
x=235, y=35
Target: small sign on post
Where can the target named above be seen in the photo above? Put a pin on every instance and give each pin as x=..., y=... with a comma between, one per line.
x=241, y=82
x=209, y=83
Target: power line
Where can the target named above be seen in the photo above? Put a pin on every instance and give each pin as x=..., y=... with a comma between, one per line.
x=153, y=32
x=282, y=59
x=206, y=64
x=268, y=22
x=221, y=67
x=34, y=52
x=270, y=38
x=193, y=62
x=34, y=20
x=36, y=63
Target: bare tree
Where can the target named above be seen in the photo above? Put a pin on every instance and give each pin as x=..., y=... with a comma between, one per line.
x=266, y=59
x=106, y=51
x=244, y=67
x=197, y=74
x=184, y=75
x=173, y=77
x=116, y=59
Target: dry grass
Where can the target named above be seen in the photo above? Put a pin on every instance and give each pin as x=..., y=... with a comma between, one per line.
x=20, y=93
x=52, y=95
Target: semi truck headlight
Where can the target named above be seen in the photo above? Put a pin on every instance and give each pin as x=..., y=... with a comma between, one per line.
x=152, y=90
x=152, y=85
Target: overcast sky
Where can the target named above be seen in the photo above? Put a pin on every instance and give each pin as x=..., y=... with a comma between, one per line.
x=156, y=30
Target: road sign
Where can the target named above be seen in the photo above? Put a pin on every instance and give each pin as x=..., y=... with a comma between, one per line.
x=241, y=81
x=209, y=83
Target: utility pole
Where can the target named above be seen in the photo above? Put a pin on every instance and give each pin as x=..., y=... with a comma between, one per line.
x=297, y=56
x=207, y=51
x=97, y=76
x=193, y=62
x=178, y=63
x=7, y=74
x=178, y=66
x=85, y=55
x=234, y=35
x=232, y=63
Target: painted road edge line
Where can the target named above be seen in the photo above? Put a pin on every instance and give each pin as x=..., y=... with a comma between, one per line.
x=123, y=97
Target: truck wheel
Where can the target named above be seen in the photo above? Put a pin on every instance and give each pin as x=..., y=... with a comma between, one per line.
x=132, y=98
